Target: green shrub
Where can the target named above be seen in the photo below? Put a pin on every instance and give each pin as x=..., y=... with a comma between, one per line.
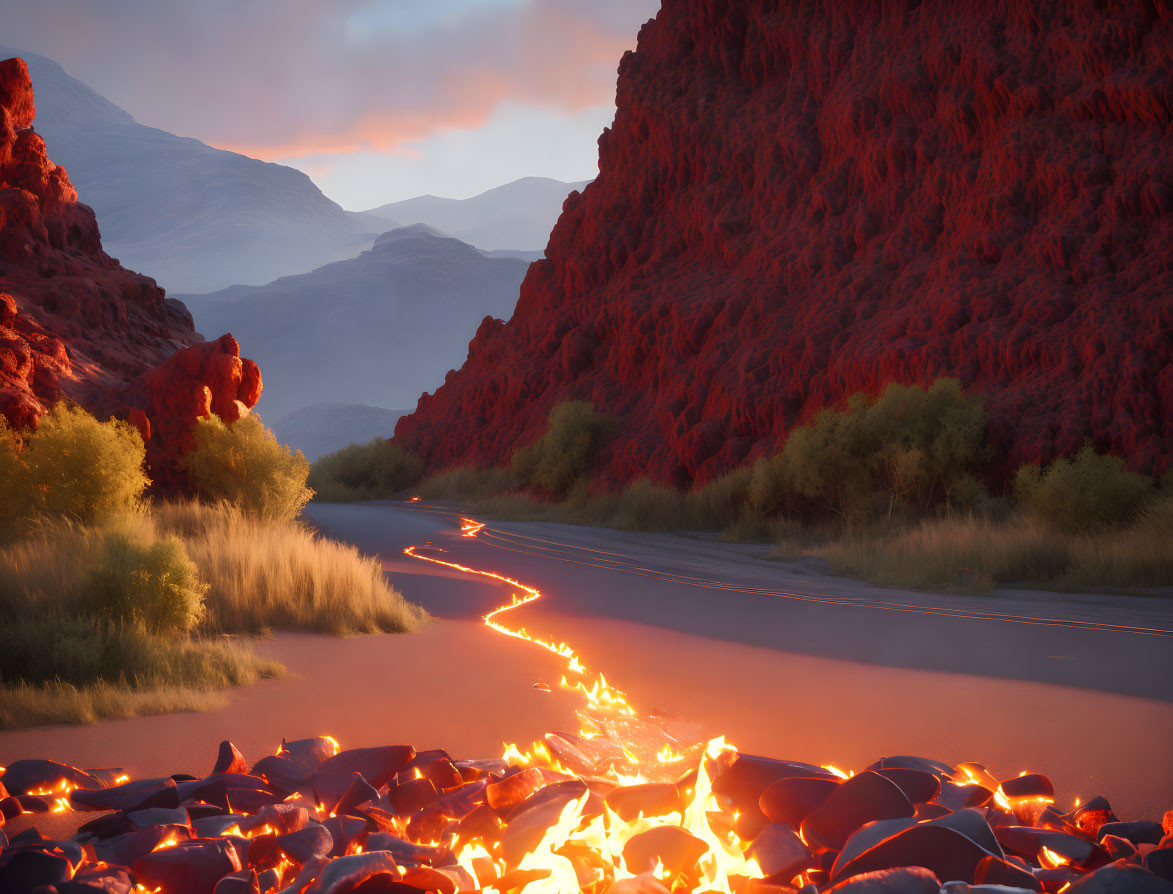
x=243, y=464
x=72, y=466
x=376, y=470
x=466, y=483
x=152, y=583
x=907, y=452
x=1087, y=492
x=562, y=456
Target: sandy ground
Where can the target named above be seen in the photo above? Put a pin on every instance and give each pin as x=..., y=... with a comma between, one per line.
x=783, y=661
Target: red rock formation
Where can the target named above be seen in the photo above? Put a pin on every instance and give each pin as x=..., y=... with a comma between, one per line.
x=800, y=200
x=76, y=325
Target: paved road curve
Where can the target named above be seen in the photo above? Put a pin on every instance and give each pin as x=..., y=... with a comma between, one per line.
x=787, y=663
x=823, y=668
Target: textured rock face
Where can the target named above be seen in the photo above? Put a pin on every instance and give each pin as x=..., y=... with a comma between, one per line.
x=803, y=200
x=75, y=325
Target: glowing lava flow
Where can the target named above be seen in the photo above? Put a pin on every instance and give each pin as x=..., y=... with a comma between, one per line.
x=723, y=860
x=599, y=694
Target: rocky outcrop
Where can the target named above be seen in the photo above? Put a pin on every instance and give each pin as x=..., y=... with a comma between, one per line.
x=75, y=325
x=802, y=200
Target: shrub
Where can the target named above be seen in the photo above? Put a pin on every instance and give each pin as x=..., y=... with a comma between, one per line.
x=378, y=469
x=72, y=466
x=243, y=464
x=466, y=483
x=266, y=574
x=562, y=456
x=151, y=583
x=910, y=450
x=1087, y=492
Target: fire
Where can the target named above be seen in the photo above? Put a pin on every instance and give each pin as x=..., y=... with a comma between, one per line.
x=692, y=839
x=606, y=836
x=1051, y=859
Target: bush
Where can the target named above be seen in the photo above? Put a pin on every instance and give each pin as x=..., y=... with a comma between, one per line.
x=151, y=583
x=72, y=466
x=376, y=470
x=562, y=456
x=910, y=450
x=243, y=464
x=1087, y=492
x=265, y=574
x=466, y=483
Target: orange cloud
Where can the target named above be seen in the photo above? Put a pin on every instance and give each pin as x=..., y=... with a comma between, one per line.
x=290, y=78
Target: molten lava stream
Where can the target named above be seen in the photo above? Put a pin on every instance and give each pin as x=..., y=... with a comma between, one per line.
x=607, y=709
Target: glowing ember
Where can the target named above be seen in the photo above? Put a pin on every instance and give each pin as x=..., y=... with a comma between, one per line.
x=621, y=807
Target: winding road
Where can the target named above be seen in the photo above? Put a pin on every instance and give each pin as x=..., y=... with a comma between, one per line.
x=781, y=659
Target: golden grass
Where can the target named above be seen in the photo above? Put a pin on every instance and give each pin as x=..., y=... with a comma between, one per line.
x=269, y=574
x=26, y=705
x=970, y=554
x=59, y=662
x=975, y=554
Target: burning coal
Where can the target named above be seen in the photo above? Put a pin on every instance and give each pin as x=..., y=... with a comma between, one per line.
x=630, y=804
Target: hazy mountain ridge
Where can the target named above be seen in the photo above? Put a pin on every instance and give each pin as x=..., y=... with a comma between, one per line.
x=517, y=216
x=194, y=217
x=321, y=428
x=378, y=329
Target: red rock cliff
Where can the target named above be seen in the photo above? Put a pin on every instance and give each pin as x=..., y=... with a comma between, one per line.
x=800, y=200
x=76, y=325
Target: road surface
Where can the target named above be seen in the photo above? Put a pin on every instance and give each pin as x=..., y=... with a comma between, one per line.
x=782, y=660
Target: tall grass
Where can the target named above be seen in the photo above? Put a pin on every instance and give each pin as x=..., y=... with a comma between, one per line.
x=66, y=657
x=974, y=554
x=63, y=660
x=280, y=574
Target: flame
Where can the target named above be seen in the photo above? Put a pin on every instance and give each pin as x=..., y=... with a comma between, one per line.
x=169, y=841
x=723, y=866
x=121, y=780
x=833, y=769
x=1052, y=860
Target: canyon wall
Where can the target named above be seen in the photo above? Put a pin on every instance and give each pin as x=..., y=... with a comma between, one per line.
x=801, y=200
x=75, y=325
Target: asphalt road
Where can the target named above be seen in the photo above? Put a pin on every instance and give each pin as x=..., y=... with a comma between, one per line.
x=783, y=661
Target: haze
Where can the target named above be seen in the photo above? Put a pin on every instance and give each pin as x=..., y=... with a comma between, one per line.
x=377, y=100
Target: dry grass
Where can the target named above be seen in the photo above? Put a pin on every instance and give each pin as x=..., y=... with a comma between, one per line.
x=267, y=574
x=62, y=661
x=26, y=705
x=975, y=554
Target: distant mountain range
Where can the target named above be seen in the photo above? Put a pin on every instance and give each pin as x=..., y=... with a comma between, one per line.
x=193, y=217
x=378, y=329
x=518, y=215
x=321, y=428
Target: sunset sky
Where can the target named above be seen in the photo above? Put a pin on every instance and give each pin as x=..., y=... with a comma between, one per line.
x=377, y=100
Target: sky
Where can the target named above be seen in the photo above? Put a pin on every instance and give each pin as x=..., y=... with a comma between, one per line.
x=377, y=100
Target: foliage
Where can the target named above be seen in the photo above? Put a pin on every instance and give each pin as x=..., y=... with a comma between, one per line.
x=265, y=574
x=909, y=451
x=375, y=470
x=974, y=554
x=562, y=456
x=243, y=464
x=465, y=483
x=151, y=583
x=72, y=466
x=1087, y=492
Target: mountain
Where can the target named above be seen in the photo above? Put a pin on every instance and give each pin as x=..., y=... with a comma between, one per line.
x=75, y=325
x=195, y=217
x=321, y=428
x=515, y=216
x=377, y=329
x=798, y=201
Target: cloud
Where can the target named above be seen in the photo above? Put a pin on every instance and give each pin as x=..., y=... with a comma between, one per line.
x=295, y=78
